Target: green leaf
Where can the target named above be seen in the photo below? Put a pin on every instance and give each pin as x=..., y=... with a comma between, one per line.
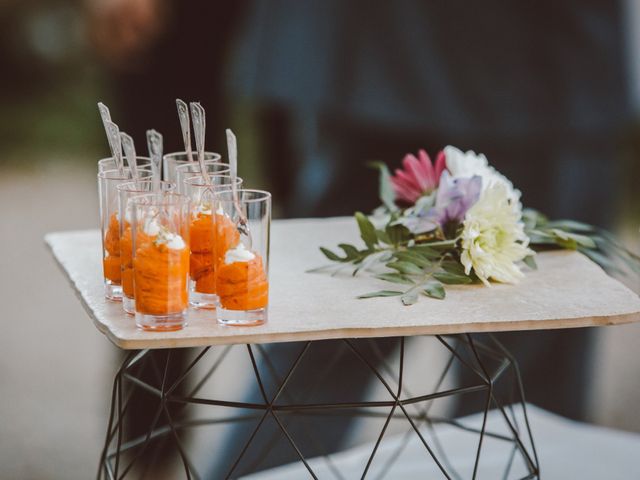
x=426, y=251
x=367, y=230
x=530, y=261
x=395, y=277
x=350, y=251
x=385, y=188
x=584, y=241
x=330, y=255
x=441, y=244
x=366, y=260
x=571, y=225
x=380, y=293
x=383, y=237
x=339, y=268
x=385, y=256
x=406, y=267
x=409, y=298
x=602, y=260
x=454, y=267
x=413, y=257
x=572, y=240
x=533, y=218
x=434, y=289
x=538, y=237
x=452, y=279
x=397, y=233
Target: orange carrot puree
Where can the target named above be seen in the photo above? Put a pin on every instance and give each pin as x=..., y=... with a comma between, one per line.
x=111, y=259
x=208, y=245
x=160, y=278
x=126, y=258
x=243, y=285
x=126, y=261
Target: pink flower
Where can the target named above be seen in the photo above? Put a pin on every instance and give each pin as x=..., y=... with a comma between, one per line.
x=418, y=177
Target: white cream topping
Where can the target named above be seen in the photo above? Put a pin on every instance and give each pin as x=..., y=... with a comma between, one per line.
x=151, y=227
x=173, y=241
x=203, y=208
x=163, y=236
x=238, y=254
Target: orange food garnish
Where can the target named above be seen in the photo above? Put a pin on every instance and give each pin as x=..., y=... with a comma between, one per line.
x=209, y=242
x=243, y=285
x=111, y=261
x=160, y=278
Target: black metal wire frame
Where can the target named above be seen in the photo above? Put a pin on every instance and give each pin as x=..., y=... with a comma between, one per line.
x=465, y=351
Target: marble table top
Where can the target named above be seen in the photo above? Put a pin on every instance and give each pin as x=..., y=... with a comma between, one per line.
x=567, y=291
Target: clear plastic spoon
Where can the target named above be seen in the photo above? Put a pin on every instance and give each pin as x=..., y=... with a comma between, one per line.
x=154, y=144
x=105, y=114
x=129, y=154
x=199, y=127
x=113, y=135
x=232, y=147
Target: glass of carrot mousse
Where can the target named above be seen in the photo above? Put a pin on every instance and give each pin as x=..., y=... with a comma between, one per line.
x=210, y=232
x=160, y=232
x=242, y=271
x=108, y=181
x=127, y=191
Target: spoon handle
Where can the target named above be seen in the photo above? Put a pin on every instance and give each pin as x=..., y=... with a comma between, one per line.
x=154, y=144
x=129, y=153
x=113, y=134
x=199, y=127
x=232, y=147
x=183, y=115
x=105, y=116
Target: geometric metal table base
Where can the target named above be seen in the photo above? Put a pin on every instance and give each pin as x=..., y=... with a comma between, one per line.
x=492, y=366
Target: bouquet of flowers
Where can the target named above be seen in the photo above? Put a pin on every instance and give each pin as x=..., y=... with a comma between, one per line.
x=459, y=221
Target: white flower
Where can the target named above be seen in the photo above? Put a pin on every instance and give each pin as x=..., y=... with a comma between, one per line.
x=493, y=238
x=466, y=165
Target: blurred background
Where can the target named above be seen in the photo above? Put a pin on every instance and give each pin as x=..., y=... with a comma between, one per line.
x=314, y=91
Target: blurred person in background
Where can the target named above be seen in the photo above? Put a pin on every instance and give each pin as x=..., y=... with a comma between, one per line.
x=536, y=86
x=539, y=87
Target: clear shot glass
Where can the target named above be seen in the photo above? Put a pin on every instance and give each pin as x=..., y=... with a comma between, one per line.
x=127, y=191
x=160, y=232
x=242, y=276
x=108, y=181
x=208, y=237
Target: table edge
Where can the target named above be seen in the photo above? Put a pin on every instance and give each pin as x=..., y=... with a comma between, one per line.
x=341, y=333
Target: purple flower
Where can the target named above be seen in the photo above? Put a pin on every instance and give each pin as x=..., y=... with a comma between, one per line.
x=453, y=198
